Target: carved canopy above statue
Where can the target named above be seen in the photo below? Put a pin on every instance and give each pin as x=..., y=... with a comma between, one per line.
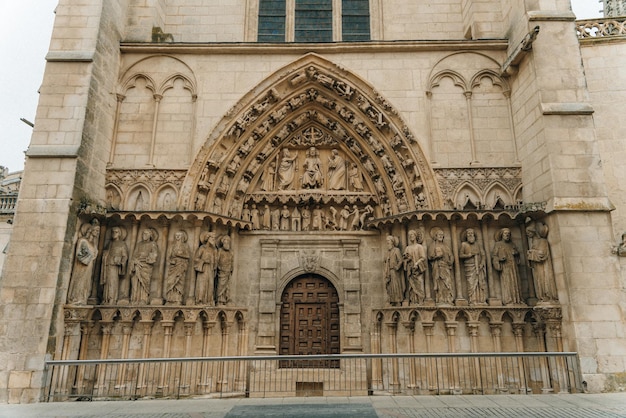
x=311, y=134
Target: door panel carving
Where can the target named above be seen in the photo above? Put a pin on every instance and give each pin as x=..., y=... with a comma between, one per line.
x=309, y=320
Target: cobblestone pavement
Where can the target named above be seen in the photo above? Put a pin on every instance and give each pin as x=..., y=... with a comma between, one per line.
x=505, y=406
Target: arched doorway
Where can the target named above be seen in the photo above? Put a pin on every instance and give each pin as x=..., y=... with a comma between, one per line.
x=309, y=317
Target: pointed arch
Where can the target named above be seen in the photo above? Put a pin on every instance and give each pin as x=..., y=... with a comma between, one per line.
x=311, y=103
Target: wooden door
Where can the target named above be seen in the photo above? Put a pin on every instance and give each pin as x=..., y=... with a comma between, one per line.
x=309, y=319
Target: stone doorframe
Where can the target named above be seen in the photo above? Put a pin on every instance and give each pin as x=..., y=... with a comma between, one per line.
x=284, y=259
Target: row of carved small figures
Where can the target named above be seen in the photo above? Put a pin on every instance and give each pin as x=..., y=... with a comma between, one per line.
x=128, y=278
x=405, y=272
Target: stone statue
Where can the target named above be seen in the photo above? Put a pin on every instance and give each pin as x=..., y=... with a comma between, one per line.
x=141, y=266
x=267, y=183
x=204, y=263
x=286, y=170
x=415, y=267
x=245, y=213
x=316, y=219
x=474, y=266
x=540, y=261
x=285, y=214
x=355, y=179
x=254, y=217
x=620, y=249
x=224, y=270
x=275, y=219
x=356, y=218
x=394, y=278
x=178, y=256
x=505, y=259
x=306, y=218
x=114, y=261
x=86, y=253
x=266, y=219
x=441, y=260
x=343, y=220
x=312, y=176
x=336, y=171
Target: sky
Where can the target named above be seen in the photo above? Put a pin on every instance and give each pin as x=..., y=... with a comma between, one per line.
x=25, y=30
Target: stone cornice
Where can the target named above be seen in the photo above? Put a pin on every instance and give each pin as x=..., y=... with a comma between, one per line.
x=322, y=48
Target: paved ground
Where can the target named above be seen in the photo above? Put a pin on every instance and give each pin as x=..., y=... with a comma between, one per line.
x=505, y=406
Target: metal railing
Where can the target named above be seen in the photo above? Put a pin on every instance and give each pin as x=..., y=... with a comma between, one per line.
x=321, y=375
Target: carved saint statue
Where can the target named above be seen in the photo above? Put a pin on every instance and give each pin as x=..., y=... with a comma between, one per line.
x=286, y=170
x=505, y=259
x=441, y=260
x=540, y=261
x=224, y=270
x=355, y=179
x=178, y=256
x=393, y=275
x=141, y=266
x=204, y=264
x=285, y=214
x=254, y=217
x=474, y=266
x=415, y=267
x=86, y=252
x=114, y=261
x=312, y=176
x=336, y=171
x=267, y=183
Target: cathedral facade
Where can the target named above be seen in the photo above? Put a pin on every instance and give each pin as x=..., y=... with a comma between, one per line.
x=259, y=177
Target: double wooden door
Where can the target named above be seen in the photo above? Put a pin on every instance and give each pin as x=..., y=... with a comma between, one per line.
x=309, y=317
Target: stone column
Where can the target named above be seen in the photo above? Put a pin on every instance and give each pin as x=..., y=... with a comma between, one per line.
x=124, y=295
x=496, y=334
x=470, y=117
x=127, y=328
x=168, y=328
x=155, y=122
x=410, y=328
x=431, y=364
x=146, y=326
x=532, y=295
x=518, y=331
x=494, y=298
x=393, y=349
x=475, y=374
x=157, y=282
x=460, y=300
x=206, y=372
x=107, y=328
x=85, y=327
x=377, y=378
x=540, y=332
x=116, y=123
x=222, y=380
x=453, y=363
